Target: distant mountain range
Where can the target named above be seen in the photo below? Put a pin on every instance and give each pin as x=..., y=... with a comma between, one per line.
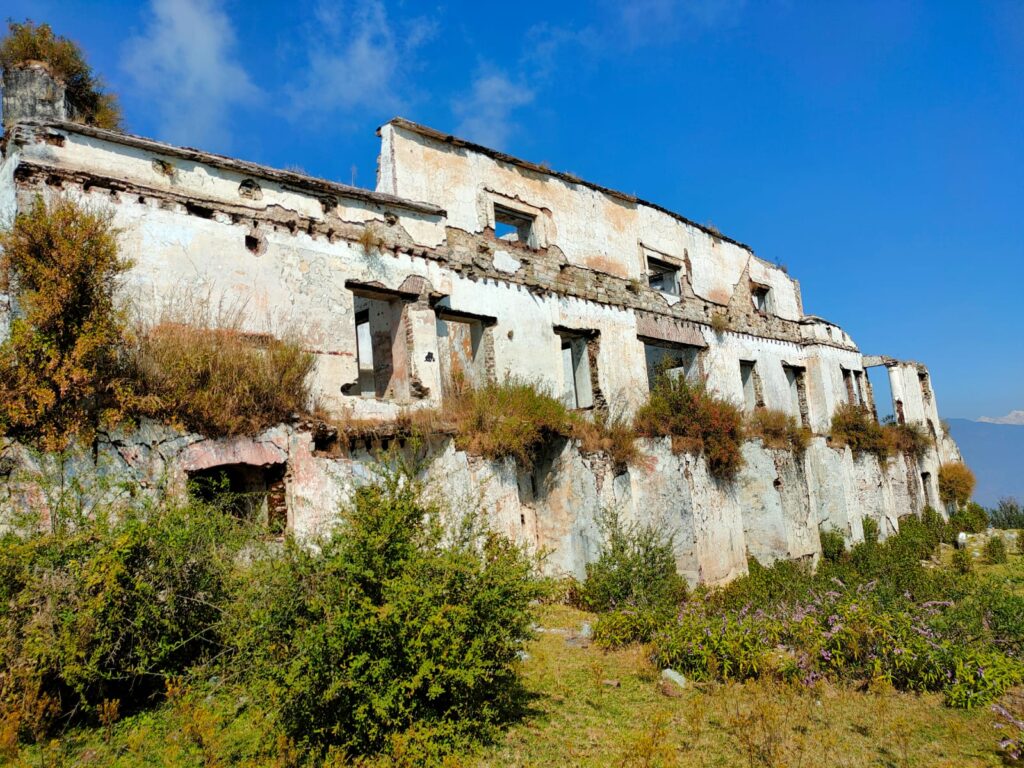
x=996, y=454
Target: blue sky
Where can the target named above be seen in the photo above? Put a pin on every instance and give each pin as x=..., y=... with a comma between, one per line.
x=874, y=148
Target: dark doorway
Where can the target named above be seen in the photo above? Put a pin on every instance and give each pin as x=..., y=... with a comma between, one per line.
x=249, y=492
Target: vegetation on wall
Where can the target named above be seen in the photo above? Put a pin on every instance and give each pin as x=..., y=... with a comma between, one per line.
x=855, y=426
x=696, y=420
x=778, y=429
x=59, y=368
x=207, y=375
x=27, y=42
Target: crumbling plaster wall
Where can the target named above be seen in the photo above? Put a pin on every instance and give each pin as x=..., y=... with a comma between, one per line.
x=774, y=509
x=591, y=227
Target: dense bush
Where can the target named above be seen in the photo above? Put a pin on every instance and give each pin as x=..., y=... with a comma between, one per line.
x=58, y=366
x=971, y=518
x=1008, y=514
x=217, y=380
x=27, y=42
x=956, y=483
x=696, y=420
x=995, y=550
x=873, y=614
x=778, y=430
x=104, y=608
x=909, y=439
x=625, y=626
x=392, y=628
x=962, y=562
x=636, y=569
x=833, y=545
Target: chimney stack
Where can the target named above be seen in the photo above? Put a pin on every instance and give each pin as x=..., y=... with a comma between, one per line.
x=31, y=92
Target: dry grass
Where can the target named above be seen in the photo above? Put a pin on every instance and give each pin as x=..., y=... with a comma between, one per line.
x=211, y=376
x=720, y=321
x=614, y=436
x=777, y=429
x=908, y=439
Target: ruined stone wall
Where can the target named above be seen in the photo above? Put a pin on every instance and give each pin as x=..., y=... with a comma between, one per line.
x=774, y=509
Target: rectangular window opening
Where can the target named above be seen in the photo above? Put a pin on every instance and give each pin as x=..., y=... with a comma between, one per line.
x=751, y=385
x=513, y=226
x=760, y=294
x=465, y=351
x=672, y=360
x=663, y=276
x=796, y=378
x=381, y=347
x=577, y=376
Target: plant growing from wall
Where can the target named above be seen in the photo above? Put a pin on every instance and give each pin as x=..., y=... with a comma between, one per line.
x=854, y=426
x=696, y=420
x=58, y=367
x=778, y=429
x=956, y=483
x=27, y=42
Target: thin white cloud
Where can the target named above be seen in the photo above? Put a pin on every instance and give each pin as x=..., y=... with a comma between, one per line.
x=661, y=21
x=356, y=60
x=184, y=63
x=1013, y=417
x=485, y=113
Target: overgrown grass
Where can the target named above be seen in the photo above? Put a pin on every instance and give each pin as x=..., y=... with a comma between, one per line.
x=696, y=420
x=777, y=429
x=28, y=41
x=217, y=380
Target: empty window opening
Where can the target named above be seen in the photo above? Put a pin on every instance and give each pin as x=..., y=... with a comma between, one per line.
x=761, y=296
x=672, y=360
x=381, y=346
x=854, y=382
x=577, y=381
x=466, y=352
x=251, y=492
x=901, y=418
x=513, y=226
x=751, y=382
x=926, y=390
x=881, y=391
x=663, y=276
x=796, y=378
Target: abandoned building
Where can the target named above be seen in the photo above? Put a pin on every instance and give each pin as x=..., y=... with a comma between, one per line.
x=468, y=264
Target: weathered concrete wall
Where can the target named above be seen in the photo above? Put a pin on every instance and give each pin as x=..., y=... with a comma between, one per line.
x=774, y=509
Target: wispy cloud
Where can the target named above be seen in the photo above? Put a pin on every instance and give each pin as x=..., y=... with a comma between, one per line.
x=661, y=21
x=485, y=113
x=184, y=62
x=356, y=60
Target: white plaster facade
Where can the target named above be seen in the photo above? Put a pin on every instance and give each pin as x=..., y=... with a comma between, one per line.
x=303, y=254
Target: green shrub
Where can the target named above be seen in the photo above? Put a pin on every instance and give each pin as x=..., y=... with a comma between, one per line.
x=962, y=562
x=870, y=528
x=729, y=647
x=1007, y=514
x=784, y=580
x=620, y=627
x=956, y=483
x=696, y=420
x=833, y=545
x=107, y=607
x=392, y=626
x=513, y=418
x=30, y=42
x=971, y=518
x=636, y=569
x=995, y=550
x=58, y=365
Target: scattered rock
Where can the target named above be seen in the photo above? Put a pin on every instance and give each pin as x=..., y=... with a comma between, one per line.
x=585, y=631
x=671, y=676
x=611, y=683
